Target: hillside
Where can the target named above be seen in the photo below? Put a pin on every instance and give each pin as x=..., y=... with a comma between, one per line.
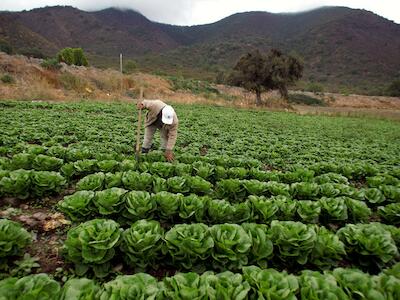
x=344, y=49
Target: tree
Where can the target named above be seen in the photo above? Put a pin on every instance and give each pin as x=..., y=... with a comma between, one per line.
x=259, y=73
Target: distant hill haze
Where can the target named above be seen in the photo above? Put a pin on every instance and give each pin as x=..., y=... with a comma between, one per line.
x=342, y=48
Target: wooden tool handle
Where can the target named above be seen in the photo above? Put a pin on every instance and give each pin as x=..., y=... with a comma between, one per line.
x=139, y=126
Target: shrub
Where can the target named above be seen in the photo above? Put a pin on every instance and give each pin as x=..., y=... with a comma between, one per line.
x=51, y=64
x=305, y=100
x=72, y=56
x=8, y=79
x=32, y=52
x=130, y=67
x=394, y=88
x=5, y=47
x=315, y=87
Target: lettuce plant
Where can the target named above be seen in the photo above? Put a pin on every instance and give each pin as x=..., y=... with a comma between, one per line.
x=108, y=165
x=135, y=181
x=262, y=248
x=185, y=286
x=237, y=172
x=293, y=240
x=188, y=244
x=333, y=209
x=390, y=213
x=199, y=185
x=358, y=210
x=21, y=161
x=80, y=289
x=159, y=185
x=92, y=182
x=113, y=180
x=309, y=211
x=193, y=208
x=182, y=169
x=255, y=187
x=203, y=169
x=328, y=249
x=167, y=204
x=47, y=163
x=374, y=196
x=271, y=284
x=77, y=206
x=317, y=286
x=370, y=243
x=178, y=185
x=391, y=193
x=17, y=184
x=231, y=246
x=109, y=201
x=287, y=207
x=45, y=182
x=92, y=245
x=264, y=209
x=231, y=189
x=304, y=190
x=13, y=240
x=139, y=287
x=141, y=243
x=162, y=169
x=226, y=286
x=138, y=205
x=356, y=284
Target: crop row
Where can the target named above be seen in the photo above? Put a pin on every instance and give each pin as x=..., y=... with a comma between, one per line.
x=209, y=168
x=135, y=205
x=94, y=244
x=252, y=283
x=24, y=183
x=236, y=189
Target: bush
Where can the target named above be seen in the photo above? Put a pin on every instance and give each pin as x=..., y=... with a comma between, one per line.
x=32, y=52
x=72, y=56
x=51, y=64
x=394, y=88
x=5, y=47
x=315, y=87
x=130, y=67
x=305, y=100
x=8, y=79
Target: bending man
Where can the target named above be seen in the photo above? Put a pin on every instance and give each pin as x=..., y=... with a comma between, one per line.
x=160, y=116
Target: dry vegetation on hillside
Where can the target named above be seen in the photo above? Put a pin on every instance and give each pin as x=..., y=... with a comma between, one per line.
x=30, y=81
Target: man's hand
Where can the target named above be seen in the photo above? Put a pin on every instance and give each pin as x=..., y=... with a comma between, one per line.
x=140, y=105
x=169, y=155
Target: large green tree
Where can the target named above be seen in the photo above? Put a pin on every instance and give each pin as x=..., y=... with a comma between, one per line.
x=259, y=73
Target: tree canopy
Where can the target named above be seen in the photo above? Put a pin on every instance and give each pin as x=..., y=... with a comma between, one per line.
x=259, y=73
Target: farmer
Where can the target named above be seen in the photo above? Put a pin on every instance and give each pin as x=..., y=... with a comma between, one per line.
x=160, y=116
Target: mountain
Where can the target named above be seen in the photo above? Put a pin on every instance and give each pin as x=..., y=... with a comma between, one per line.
x=342, y=48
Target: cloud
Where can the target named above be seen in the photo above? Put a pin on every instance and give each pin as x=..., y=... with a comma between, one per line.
x=189, y=12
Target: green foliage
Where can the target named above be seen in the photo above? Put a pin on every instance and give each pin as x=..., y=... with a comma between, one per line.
x=139, y=286
x=6, y=47
x=259, y=73
x=77, y=206
x=370, y=243
x=394, y=88
x=231, y=246
x=92, y=245
x=293, y=239
x=315, y=87
x=14, y=239
x=80, y=289
x=189, y=244
x=72, y=56
x=130, y=66
x=305, y=100
x=32, y=52
x=141, y=243
x=192, y=85
x=7, y=79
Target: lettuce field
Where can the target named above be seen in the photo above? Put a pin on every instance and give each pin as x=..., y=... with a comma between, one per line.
x=256, y=205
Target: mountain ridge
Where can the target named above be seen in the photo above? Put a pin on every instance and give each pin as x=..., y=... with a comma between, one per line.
x=341, y=47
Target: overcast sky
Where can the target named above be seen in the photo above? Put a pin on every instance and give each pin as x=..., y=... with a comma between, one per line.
x=191, y=12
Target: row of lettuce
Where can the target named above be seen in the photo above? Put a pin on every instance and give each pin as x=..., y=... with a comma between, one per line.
x=252, y=283
x=127, y=206
x=97, y=245
x=212, y=169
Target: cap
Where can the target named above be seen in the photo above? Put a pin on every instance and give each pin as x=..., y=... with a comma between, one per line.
x=167, y=115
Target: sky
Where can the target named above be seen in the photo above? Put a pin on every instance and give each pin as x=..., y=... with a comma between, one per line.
x=193, y=12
